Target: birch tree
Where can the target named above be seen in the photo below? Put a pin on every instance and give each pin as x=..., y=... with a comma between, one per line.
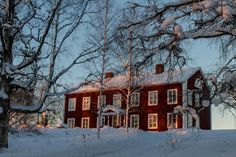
x=130, y=51
x=33, y=36
x=102, y=25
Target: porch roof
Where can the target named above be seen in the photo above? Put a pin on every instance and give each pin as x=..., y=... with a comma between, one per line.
x=112, y=110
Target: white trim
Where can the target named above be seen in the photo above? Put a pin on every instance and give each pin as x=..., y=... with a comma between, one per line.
x=149, y=92
x=82, y=122
x=69, y=120
x=153, y=114
x=176, y=100
x=74, y=103
x=117, y=95
x=83, y=104
x=134, y=115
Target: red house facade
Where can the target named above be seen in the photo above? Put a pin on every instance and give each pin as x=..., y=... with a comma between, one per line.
x=152, y=107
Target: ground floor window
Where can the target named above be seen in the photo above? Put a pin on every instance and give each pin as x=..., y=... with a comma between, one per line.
x=134, y=121
x=103, y=121
x=172, y=120
x=71, y=122
x=152, y=121
x=85, y=122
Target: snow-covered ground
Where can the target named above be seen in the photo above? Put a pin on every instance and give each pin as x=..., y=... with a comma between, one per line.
x=117, y=143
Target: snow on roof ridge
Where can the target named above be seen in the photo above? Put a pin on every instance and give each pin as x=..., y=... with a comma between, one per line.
x=177, y=76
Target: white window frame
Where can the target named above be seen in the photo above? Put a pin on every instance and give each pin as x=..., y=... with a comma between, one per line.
x=82, y=122
x=86, y=103
x=133, y=125
x=70, y=100
x=69, y=120
x=149, y=118
x=135, y=99
x=117, y=95
x=168, y=96
x=149, y=98
x=103, y=100
x=168, y=120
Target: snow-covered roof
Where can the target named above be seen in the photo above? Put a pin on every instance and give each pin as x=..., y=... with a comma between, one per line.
x=147, y=79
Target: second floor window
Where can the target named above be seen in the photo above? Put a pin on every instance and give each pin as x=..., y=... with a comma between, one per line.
x=103, y=99
x=135, y=99
x=172, y=96
x=71, y=104
x=86, y=103
x=117, y=100
x=152, y=98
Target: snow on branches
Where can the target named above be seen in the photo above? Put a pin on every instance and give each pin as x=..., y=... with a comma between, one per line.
x=167, y=22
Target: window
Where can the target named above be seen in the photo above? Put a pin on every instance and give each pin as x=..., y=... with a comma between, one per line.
x=86, y=103
x=85, y=122
x=71, y=105
x=71, y=122
x=152, y=121
x=103, y=121
x=117, y=100
x=152, y=98
x=103, y=101
x=135, y=97
x=171, y=120
x=134, y=121
x=172, y=96
x=197, y=99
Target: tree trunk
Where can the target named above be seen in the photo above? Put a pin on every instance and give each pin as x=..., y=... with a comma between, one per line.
x=127, y=112
x=4, y=126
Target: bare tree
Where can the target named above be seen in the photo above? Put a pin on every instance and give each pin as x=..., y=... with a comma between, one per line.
x=33, y=37
x=169, y=24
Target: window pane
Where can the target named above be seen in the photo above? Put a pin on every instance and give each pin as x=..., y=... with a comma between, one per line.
x=172, y=96
x=71, y=105
x=117, y=100
x=152, y=121
x=153, y=98
x=134, y=99
x=86, y=103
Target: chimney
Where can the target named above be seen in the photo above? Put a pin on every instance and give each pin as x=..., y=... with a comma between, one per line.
x=108, y=75
x=159, y=68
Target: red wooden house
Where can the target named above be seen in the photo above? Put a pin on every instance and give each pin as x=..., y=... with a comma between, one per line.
x=151, y=107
